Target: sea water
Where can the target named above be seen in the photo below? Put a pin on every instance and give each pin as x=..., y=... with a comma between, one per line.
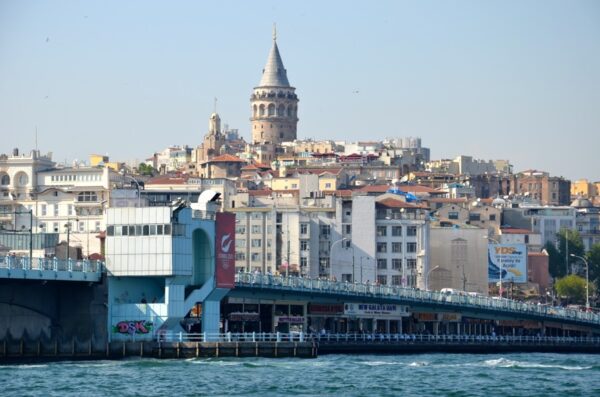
x=329, y=375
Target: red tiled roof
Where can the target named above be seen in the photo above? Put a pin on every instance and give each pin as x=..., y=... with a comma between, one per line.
x=393, y=203
x=249, y=167
x=512, y=230
x=375, y=188
x=226, y=158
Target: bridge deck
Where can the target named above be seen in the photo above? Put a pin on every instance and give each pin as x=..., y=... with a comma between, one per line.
x=22, y=268
x=416, y=298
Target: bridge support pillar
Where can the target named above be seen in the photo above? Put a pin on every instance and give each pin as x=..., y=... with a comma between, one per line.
x=436, y=326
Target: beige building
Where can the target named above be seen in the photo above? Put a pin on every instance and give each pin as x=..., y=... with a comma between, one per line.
x=458, y=259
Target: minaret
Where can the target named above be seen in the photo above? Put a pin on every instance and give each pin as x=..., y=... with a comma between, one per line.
x=274, y=103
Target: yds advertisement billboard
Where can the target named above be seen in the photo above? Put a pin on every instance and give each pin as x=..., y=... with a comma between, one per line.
x=510, y=260
x=225, y=250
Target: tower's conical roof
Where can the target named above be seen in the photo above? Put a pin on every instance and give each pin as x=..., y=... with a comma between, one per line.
x=274, y=74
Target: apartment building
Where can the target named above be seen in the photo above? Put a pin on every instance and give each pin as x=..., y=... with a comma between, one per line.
x=37, y=194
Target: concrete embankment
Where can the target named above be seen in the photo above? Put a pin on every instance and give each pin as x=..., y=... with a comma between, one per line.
x=12, y=351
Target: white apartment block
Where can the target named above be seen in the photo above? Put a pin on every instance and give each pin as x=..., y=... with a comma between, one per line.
x=355, y=238
x=67, y=201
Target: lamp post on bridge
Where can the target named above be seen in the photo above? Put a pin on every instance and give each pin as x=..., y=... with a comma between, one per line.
x=331, y=257
x=427, y=277
x=587, y=280
x=139, y=190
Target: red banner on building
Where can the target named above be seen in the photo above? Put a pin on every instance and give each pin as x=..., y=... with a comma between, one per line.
x=225, y=250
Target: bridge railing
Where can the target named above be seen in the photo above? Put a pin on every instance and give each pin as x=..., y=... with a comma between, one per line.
x=415, y=295
x=457, y=339
x=365, y=338
x=11, y=262
x=170, y=336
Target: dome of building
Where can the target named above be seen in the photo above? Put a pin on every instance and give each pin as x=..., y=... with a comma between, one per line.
x=581, y=202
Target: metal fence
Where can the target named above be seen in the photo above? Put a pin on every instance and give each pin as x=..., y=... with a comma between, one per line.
x=52, y=264
x=410, y=295
x=169, y=336
x=364, y=338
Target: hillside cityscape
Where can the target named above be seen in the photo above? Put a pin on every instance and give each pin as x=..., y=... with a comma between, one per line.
x=382, y=212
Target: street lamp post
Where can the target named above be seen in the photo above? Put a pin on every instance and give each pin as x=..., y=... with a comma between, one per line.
x=499, y=265
x=139, y=191
x=587, y=280
x=331, y=257
x=427, y=277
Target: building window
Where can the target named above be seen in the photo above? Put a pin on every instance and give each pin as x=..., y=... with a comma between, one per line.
x=87, y=197
x=381, y=264
x=411, y=247
x=325, y=231
x=240, y=243
x=453, y=215
x=396, y=280
x=396, y=264
x=81, y=226
x=240, y=230
x=492, y=217
x=255, y=257
x=381, y=247
x=397, y=231
x=55, y=209
x=328, y=186
x=382, y=279
x=70, y=210
x=55, y=227
x=256, y=243
x=256, y=229
x=396, y=247
x=381, y=231
x=411, y=263
x=240, y=256
x=474, y=217
x=347, y=229
x=43, y=209
x=411, y=231
x=304, y=228
x=97, y=226
x=303, y=262
x=303, y=245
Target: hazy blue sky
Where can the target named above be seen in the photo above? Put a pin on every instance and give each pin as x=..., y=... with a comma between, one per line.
x=517, y=80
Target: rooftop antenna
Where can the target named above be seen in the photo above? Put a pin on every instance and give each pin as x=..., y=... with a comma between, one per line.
x=274, y=31
x=215, y=105
x=36, y=139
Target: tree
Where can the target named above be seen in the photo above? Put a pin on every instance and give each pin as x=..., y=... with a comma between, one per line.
x=593, y=258
x=571, y=287
x=145, y=169
x=556, y=262
x=574, y=246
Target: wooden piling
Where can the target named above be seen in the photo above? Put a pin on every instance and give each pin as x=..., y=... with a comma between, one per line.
x=197, y=349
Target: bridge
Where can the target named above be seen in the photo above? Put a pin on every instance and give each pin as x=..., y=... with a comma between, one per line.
x=50, y=269
x=263, y=286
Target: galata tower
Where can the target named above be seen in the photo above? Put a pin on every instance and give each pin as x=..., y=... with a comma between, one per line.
x=274, y=103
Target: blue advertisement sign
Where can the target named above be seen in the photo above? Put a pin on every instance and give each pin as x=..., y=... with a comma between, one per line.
x=508, y=260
